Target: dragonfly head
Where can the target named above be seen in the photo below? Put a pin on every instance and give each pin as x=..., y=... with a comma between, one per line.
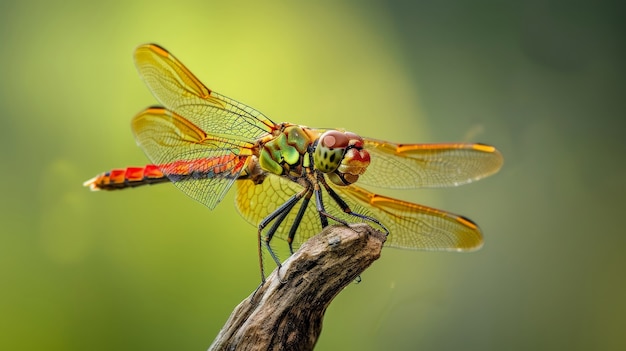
x=341, y=156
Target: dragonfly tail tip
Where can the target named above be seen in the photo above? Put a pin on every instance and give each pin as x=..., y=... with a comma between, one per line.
x=91, y=183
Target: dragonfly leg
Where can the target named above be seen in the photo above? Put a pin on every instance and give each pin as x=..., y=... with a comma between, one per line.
x=298, y=219
x=324, y=216
x=277, y=217
x=346, y=209
x=319, y=203
x=270, y=233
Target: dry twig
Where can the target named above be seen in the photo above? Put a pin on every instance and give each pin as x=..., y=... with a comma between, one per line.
x=286, y=313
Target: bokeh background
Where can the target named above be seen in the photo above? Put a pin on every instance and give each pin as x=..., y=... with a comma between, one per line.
x=150, y=269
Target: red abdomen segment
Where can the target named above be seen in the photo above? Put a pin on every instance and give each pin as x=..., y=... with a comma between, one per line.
x=127, y=178
x=224, y=167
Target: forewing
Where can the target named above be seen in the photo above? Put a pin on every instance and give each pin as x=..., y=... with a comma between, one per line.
x=428, y=165
x=179, y=90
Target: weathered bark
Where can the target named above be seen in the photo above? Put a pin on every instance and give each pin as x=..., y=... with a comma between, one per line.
x=286, y=312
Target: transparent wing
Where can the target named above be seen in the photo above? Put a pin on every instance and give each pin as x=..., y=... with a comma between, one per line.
x=413, y=226
x=202, y=165
x=179, y=90
x=428, y=165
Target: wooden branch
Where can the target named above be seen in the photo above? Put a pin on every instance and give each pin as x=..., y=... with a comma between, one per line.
x=286, y=312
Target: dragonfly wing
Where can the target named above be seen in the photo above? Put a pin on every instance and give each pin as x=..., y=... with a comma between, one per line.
x=428, y=165
x=202, y=165
x=413, y=226
x=179, y=90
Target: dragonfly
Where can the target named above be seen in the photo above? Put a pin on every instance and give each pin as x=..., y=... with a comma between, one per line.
x=291, y=180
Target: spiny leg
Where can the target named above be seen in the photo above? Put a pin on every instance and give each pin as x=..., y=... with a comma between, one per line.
x=270, y=233
x=346, y=208
x=298, y=219
x=279, y=215
x=319, y=203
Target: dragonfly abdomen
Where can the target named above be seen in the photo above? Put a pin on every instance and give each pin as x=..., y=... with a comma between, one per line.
x=126, y=178
x=225, y=167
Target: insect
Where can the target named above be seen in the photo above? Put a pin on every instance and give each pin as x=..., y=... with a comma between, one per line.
x=291, y=179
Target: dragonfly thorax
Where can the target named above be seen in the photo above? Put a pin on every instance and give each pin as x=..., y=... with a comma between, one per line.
x=341, y=156
x=284, y=152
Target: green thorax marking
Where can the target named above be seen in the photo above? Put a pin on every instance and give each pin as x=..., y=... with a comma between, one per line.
x=286, y=150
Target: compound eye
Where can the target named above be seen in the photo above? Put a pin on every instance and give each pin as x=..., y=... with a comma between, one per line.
x=329, y=151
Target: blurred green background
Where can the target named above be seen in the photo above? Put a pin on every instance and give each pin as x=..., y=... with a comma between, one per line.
x=150, y=269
